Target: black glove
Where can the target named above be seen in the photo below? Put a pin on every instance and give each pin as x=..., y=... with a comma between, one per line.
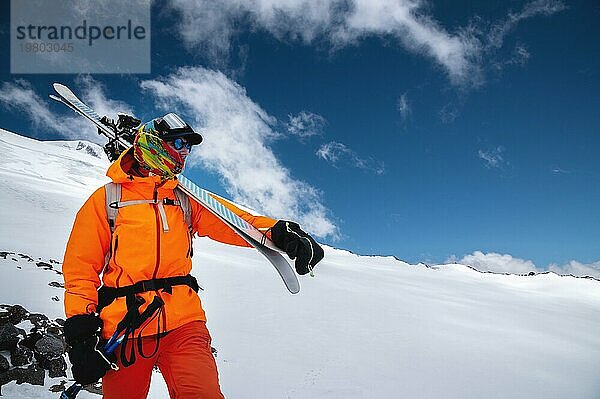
x=82, y=334
x=297, y=244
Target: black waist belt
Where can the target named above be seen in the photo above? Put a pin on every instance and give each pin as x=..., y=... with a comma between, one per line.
x=106, y=295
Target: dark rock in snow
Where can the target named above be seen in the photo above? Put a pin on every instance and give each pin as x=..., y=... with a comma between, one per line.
x=56, y=284
x=55, y=329
x=31, y=339
x=4, y=314
x=94, y=388
x=4, y=254
x=56, y=367
x=59, y=387
x=49, y=352
x=44, y=265
x=25, y=256
x=34, y=353
x=40, y=321
x=50, y=346
x=17, y=314
x=4, y=364
x=12, y=314
x=33, y=375
x=10, y=336
x=7, y=377
x=90, y=149
x=21, y=356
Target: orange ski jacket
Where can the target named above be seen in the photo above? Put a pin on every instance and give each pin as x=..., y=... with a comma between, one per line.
x=140, y=249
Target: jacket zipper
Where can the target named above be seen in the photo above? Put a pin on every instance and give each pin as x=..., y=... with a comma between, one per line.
x=158, y=228
x=189, y=251
x=157, y=217
x=114, y=258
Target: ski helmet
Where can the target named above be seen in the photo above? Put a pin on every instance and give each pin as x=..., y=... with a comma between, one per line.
x=153, y=152
x=172, y=126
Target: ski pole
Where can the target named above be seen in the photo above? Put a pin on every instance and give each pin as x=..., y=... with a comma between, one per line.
x=111, y=345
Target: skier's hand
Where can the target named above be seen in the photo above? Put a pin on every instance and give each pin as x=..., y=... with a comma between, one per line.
x=297, y=244
x=82, y=334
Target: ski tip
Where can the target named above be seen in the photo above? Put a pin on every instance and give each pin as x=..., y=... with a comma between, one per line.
x=59, y=87
x=292, y=284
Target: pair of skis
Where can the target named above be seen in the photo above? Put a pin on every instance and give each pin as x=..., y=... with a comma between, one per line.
x=205, y=198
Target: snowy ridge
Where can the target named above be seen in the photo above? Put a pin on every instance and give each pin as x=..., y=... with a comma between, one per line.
x=532, y=273
x=84, y=146
x=364, y=327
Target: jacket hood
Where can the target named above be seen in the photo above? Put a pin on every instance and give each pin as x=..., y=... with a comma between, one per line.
x=119, y=172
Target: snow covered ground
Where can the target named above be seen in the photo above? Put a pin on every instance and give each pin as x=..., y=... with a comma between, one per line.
x=364, y=327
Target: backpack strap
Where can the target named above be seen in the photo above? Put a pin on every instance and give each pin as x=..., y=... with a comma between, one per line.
x=184, y=202
x=112, y=193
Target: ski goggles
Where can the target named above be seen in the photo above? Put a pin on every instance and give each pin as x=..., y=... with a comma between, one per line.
x=178, y=144
x=172, y=126
x=172, y=123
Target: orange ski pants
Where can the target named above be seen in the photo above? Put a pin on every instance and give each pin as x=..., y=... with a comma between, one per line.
x=184, y=359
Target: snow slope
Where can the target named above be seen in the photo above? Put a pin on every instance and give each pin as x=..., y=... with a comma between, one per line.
x=364, y=327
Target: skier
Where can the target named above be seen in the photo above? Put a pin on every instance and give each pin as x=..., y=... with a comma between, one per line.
x=142, y=258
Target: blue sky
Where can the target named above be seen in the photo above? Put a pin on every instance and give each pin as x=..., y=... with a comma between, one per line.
x=424, y=130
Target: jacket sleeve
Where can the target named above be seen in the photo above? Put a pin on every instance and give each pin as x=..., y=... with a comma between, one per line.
x=208, y=225
x=85, y=255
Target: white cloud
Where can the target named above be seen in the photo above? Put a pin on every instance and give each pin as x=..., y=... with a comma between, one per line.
x=493, y=35
x=494, y=262
x=341, y=23
x=338, y=153
x=237, y=134
x=520, y=56
x=93, y=94
x=404, y=106
x=331, y=151
x=20, y=96
x=492, y=158
x=407, y=22
x=297, y=20
x=498, y=263
x=577, y=269
x=306, y=124
x=531, y=9
x=448, y=113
